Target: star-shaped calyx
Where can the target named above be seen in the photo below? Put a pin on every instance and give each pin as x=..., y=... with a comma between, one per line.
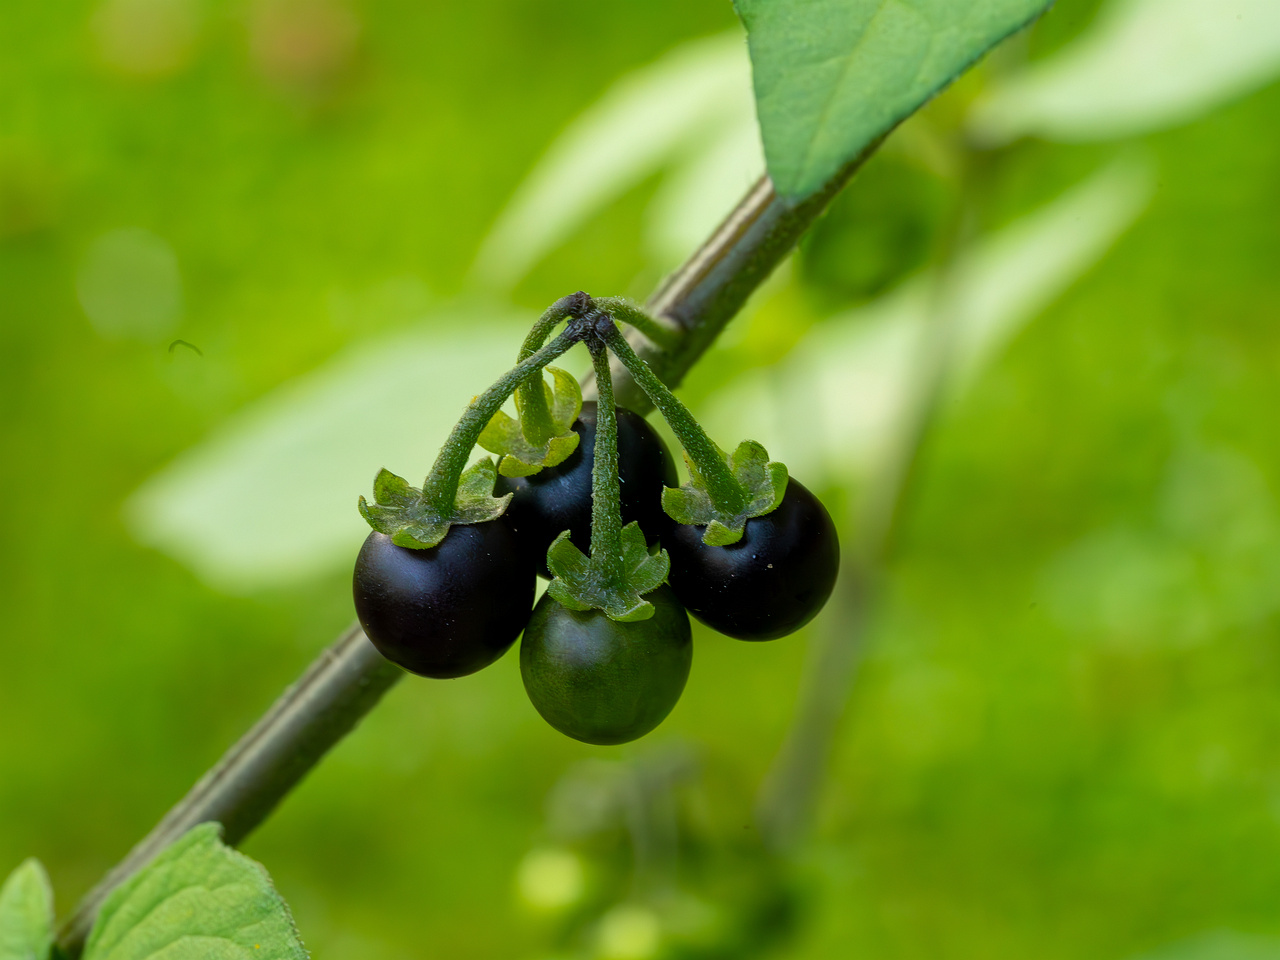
x=407, y=517
x=525, y=445
x=615, y=585
x=763, y=483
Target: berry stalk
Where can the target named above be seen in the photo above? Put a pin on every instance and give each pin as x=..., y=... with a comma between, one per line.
x=606, y=490
x=725, y=491
x=441, y=487
x=620, y=308
x=535, y=418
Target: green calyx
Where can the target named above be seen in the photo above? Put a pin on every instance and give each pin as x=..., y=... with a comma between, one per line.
x=542, y=435
x=620, y=569
x=763, y=481
x=581, y=583
x=538, y=437
x=453, y=492
x=722, y=493
x=410, y=520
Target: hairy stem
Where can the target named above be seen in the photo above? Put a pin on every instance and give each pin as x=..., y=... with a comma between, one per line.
x=441, y=486
x=620, y=308
x=606, y=492
x=535, y=418
x=725, y=491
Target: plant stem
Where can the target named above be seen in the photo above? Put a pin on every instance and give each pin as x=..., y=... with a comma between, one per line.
x=321, y=708
x=620, y=308
x=574, y=305
x=606, y=489
x=699, y=298
x=441, y=486
x=535, y=418
x=709, y=289
x=725, y=491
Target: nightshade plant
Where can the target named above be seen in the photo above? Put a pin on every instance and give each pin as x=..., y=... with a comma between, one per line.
x=442, y=586
x=831, y=80
x=442, y=601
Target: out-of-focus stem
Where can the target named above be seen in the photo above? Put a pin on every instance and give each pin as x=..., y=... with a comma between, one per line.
x=788, y=797
x=704, y=294
x=321, y=708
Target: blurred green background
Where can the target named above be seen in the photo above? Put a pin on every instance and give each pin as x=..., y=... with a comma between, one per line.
x=1063, y=739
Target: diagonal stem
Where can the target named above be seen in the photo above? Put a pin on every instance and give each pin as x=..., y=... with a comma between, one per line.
x=620, y=308
x=786, y=804
x=323, y=706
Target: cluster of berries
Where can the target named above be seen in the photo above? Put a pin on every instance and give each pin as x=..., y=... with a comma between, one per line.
x=586, y=495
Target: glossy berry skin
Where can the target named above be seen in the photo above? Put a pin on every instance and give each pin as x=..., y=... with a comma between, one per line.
x=771, y=582
x=600, y=681
x=559, y=498
x=450, y=610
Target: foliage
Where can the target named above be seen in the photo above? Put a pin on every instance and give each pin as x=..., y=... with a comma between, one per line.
x=26, y=914
x=579, y=586
x=520, y=458
x=197, y=899
x=398, y=510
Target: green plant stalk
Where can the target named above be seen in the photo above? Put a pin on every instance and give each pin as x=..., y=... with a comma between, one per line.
x=339, y=687
x=606, y=488
x=441, y=486
x=620, y=308
x=708, y=289
x=535, y=418
x=725, y=491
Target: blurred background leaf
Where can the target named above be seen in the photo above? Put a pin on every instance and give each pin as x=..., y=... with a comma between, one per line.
x=26, y=913
x=1147, y=64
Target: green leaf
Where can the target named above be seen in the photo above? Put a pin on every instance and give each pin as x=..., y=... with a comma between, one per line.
x=399, y=511
x=764, y=480
x=585, y=584
x=26, y=914
x=198, y=900
x=506, y=436
x=832, y=76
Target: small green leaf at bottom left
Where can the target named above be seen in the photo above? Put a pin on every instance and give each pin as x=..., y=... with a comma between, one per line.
x=198, y=900
x=26, y=914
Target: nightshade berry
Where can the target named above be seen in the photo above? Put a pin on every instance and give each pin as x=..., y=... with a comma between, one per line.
x=771, y=582
x=559, y=498
x=603, y=681
x=449, y=610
